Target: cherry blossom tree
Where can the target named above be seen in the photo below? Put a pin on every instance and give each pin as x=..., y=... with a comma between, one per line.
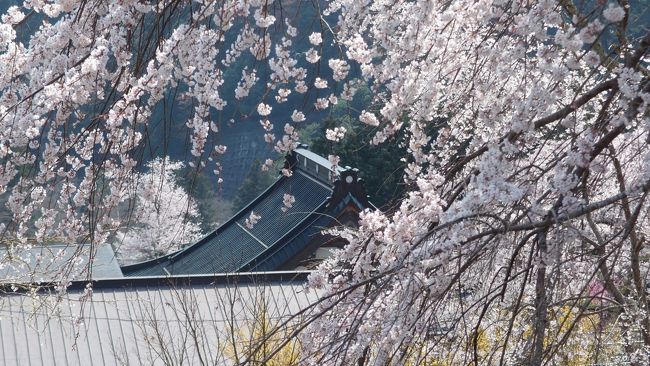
x=164, y=216
x=528, y=165
x=81, y=81
x=531, y=191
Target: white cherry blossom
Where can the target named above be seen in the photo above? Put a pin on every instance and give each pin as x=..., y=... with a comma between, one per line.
x=315, y=38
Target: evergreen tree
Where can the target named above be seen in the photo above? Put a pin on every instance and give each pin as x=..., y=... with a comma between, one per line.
x=255, y=183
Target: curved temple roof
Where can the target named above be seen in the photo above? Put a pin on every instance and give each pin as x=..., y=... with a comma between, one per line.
x=277, y=236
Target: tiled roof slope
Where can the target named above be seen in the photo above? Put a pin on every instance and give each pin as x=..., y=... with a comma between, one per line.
x=273, y=239
x=181, y=320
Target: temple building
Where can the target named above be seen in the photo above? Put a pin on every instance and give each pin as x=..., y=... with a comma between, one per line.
x=279, y=240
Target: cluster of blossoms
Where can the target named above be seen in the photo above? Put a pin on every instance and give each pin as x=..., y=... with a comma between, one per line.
x=252, y=219
x=340, y=68
x=369, y=118
x=248, y=80
x=268, y=163
x=297, y=116
x=335, y=134
x=289, y=141
x=320, y=83
x=287, y=202
x=312, y=56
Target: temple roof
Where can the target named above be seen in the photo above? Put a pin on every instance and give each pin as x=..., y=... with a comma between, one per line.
x=277, y=236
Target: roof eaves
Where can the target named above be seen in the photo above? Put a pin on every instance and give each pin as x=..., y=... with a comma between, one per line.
x=174, y=280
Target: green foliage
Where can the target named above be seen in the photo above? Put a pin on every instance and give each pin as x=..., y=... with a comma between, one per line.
x=255, y=183
x=379, y=166
x=213, y=208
